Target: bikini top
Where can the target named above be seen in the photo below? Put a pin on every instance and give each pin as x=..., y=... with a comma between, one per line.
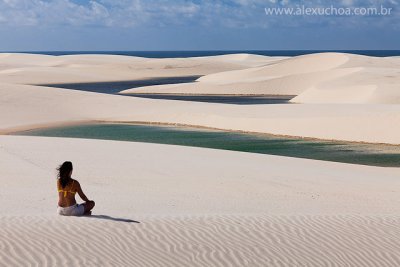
x=60, y=189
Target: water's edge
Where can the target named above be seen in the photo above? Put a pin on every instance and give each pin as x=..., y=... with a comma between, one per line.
x=311, y=148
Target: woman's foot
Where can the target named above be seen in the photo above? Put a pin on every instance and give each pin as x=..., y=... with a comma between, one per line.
x=89, y=205
x=88, y=213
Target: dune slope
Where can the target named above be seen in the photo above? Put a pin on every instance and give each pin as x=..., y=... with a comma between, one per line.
x=218, y=208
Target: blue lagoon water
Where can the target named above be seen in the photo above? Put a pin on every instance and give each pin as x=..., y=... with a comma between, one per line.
x=356, y=153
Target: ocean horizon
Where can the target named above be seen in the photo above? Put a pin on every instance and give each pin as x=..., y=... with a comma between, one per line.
x=194, y=53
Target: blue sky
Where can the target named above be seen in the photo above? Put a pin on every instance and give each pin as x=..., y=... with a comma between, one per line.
x=43, y=25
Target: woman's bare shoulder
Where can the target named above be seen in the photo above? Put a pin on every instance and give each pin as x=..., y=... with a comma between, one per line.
x=76, y=182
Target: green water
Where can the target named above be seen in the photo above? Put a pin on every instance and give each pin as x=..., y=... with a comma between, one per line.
x=366, y=154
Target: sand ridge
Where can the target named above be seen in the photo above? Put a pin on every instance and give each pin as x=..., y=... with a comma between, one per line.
x=203, y=241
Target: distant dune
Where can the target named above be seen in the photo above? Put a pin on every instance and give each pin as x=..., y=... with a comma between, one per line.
x=315, y=78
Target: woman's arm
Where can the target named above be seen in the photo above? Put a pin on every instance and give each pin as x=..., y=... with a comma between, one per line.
x=80, y=192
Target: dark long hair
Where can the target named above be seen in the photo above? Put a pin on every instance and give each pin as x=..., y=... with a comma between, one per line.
x=64, y=172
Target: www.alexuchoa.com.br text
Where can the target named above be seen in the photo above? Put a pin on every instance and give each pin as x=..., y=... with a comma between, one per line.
x=328, y=11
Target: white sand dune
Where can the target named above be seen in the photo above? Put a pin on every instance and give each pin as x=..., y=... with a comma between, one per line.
x=286, y=76
x=30, y=104
x=248, y=60
x=205, y=181
x=368, y=85
x=44, y=69
x=218, y=208
x=294, y=84
x=287, y=67
x=30, y=107
x=318, y=78
x=203, y=241
x=196, y=206
x=376, y=81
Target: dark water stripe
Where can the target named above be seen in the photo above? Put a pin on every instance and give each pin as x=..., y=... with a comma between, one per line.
x=222, y=99
x=183, y=54
x=117, y=86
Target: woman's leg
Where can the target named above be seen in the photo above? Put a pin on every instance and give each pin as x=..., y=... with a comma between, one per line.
x=89, y=205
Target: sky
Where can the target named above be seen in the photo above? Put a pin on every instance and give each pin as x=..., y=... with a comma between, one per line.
x=146, y=25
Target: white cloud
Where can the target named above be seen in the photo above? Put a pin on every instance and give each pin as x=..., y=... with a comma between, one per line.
x=347, y=2
x=36, y=12
x=130, y=13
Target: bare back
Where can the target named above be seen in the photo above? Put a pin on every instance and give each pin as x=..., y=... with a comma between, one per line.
x=66, y=195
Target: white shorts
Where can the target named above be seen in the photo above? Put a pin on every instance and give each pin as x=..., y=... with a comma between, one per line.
x=74, y=210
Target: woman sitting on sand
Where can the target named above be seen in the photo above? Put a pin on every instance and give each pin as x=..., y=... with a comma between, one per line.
x=67, y=188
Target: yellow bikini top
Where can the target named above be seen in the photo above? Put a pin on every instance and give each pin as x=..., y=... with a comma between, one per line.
x=60, y=189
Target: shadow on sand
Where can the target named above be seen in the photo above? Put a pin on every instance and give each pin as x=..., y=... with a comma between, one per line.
x=106, y=217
